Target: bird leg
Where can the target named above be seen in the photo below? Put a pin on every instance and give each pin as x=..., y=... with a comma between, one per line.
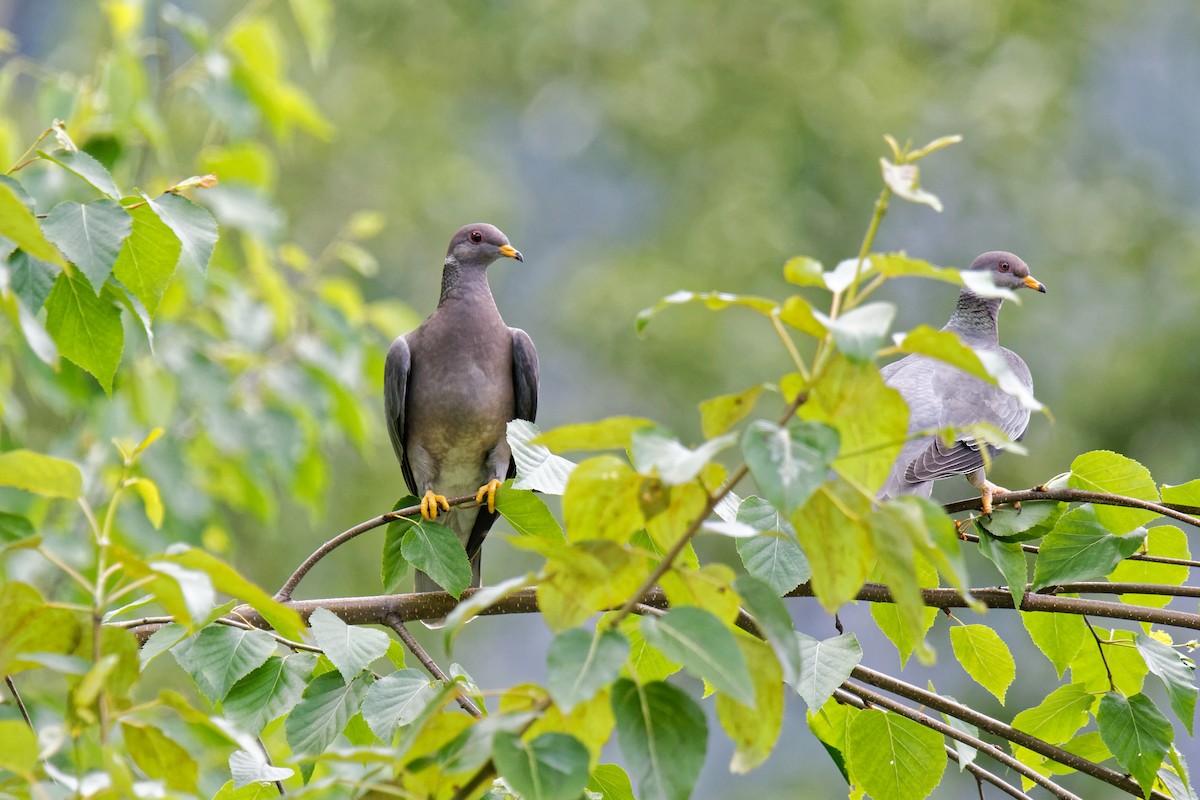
x=987, y=488
x=430, y=503
x=488, y=490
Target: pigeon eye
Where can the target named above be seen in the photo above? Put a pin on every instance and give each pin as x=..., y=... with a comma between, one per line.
x=476, y=237
x=1003, y=266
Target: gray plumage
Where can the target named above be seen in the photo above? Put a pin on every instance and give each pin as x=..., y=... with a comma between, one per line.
x=451, y=387
x=940, y=395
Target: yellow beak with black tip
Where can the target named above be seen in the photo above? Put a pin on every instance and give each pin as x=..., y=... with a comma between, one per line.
x=1029, y=281
x=508, y=251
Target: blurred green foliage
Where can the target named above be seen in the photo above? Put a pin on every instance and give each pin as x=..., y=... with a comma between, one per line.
x=631, y=149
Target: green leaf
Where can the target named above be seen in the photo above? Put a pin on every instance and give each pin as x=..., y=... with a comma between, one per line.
x=86, y=328
x=191, y=223
x=985, y=657
x=31, y=279
x=147, y=260
x=286, y=621
x=789, y=463
x=1010, y=559
x=700, y=642
x=91, y=235
x=799, y=313
x=1161, y=540
x=1184, y=494
x=315, y=20
x=774, y=556
x=1178, y=674
x=804, y=271
x=554, y=766
x=887, y=617
x=646, y=663
x=393, y=567
x=537, y=468
x=151, y=500
x=613, y=433
x=1121, y=658
x=1136, y=733
x=602, y=500
x=351, y=648
x=86, y=167
x=268, y=692
x=220, y=655
x=1080, y=548
x=1032, y=521
x=526, y=513
x=479, y=602
x=20, y=751
x=40, y=474
x=656, y=450
x=323, y=712
x=895, y=527
x=905, y=181
x=829, y=725
x=396, y=700
x=580, y=664
x=715, y=301
x=663, y=736
x=1105, y=471
x=824, y=665
x=721, y=413
x=160, y=757
x=859, y=332
x=21, y=226
x=870, y=417
x=775, y=623
x=251, y=767
x=900, y=265
x=611, y=782
x=944, y=346
x=754, y=730
x=1059, y=636
x=1176, y=778
x=892, y=757
x=1059, y=716
x=15, y=530
x=834, y=535
x=435, y=550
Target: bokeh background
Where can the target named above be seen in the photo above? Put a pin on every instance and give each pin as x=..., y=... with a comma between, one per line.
x=631, y=148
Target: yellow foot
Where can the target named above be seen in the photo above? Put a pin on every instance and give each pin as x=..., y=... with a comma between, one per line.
x=488, y=490
x=430, y=503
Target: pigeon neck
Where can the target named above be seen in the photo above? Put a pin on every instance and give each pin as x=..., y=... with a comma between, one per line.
x=975, y=316
x=462, y=281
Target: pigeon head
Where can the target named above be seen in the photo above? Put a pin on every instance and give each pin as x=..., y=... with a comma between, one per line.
x=1008, y=271
x=480, y=244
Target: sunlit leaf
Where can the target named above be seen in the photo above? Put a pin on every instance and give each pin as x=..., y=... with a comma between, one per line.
x=859, y=332
x=526, y=512
x=1080, y=548
x=40, y=474
x=21, y=226
x=985, y=657
x=712, y=300
x=657, y=450
x=86, y=328
x=537, y=468
x=1113, y=473
x=251, y=767
x=160, y=757
x=148, y=257
x=613, y=433
x=754, y=730
x=1059, y=636
x=892, y=757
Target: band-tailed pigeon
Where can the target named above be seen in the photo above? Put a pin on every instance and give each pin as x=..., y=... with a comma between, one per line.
x=452, y=386
x=940, y=395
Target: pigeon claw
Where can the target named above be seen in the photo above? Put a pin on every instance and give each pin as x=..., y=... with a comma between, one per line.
x=431, y=502
x=488, y=490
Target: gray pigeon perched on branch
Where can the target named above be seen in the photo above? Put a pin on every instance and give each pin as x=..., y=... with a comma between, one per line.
x=940, y=395
x=451, y=387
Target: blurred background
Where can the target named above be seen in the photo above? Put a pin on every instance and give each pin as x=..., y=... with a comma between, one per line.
x=632, y=148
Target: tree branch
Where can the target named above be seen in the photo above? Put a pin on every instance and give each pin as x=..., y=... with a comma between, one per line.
x=395, y=623
x=995, y=727
x=1078, y=496
x=289, y=587
x=875, y=699
x=979, y=772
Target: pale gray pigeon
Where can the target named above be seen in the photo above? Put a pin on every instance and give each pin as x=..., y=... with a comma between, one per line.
x=940, y=395
x=450, y=389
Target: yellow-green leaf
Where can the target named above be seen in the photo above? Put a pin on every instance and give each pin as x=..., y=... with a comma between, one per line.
x=40, y=474
x=985, y=657
x=721, y=413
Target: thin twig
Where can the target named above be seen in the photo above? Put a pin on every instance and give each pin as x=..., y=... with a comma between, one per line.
x=1149, y=559
x=668, y=559
x=995, y=727
x=990, y=750
x=1076, y=496
x=979, y=772
x=289, y=587
x=395, y=623
x=12, y=688
x=1112, y=686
